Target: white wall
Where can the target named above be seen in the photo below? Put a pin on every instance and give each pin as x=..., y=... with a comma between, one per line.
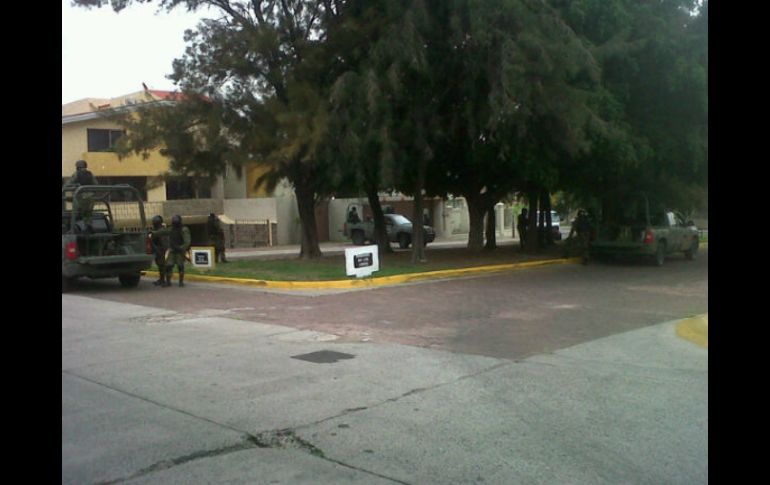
x=218, y=189
x=439, y=218
x=456, y=217
x=257, y=209
x=156, y=189
x=234, y=187
x=289, y=229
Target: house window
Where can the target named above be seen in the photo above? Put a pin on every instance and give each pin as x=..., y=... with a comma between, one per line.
x=103, y=140
x=183, y=187
x=139, y=183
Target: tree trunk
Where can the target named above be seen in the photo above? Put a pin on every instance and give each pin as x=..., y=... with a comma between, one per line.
x=540, y=222
x=546, y=204
x=476, y=229
x=418, y=248
x=532, y=238
x=491, y=229
x=310, y=248
x=379, y=222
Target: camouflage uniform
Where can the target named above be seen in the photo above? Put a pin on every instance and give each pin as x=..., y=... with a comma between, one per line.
x=522, y=224
x=216, y=237
x=179, y=242
x=582, y=230
x=160, y=245
x=82, y=175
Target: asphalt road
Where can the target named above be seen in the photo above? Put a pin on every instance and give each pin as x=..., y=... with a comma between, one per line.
x=512, y=315
x=562, y=374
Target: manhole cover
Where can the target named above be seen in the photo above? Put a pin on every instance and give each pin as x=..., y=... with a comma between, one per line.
x=323, y=357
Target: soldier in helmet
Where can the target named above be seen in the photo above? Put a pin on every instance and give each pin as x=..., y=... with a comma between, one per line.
x=581, y=228
x=179, y=242
x=160, y=245
x=216, y=237
x=522, y=224
x=82, y=175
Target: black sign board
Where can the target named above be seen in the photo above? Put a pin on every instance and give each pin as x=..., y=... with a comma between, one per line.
x=201, y=257
x=363, y=260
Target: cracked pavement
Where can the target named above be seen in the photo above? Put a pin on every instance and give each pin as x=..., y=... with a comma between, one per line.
x=201, y=393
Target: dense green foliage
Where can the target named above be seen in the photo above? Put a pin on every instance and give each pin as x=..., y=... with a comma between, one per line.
x=477, y=98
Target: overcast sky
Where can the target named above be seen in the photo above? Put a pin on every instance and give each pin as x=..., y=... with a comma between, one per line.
x=105, y=55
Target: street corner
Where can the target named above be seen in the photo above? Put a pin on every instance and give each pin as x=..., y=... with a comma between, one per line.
x=695, y=329
x=362, y=283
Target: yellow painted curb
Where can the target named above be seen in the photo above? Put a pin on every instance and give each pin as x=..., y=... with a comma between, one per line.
x=372, y=282
x=695, y=329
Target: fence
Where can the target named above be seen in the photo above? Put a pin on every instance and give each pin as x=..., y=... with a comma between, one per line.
x=252, y=234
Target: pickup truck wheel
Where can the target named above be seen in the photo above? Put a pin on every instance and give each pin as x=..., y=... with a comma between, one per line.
x=660, y=254
x=129, y=280
x=358, y=238
x=403, y=240
x=692, y=253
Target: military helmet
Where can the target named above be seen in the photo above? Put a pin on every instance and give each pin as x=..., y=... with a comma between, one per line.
x=157, y=221
x=81, y=164
x=176, y=220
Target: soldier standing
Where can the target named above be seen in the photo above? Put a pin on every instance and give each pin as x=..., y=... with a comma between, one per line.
x=521, y=225
x=160, y=245
x=582, y=229
x=216, y=237
x=179, y=242
x=82, y=175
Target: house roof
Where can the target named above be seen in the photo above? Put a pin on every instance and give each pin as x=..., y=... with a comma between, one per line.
x=88, y=108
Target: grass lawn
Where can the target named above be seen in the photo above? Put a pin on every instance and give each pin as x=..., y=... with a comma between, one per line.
x=332, y=267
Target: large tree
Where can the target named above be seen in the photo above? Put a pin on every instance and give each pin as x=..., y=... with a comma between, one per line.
x=654, y=94
x=517, y=105
x=264, y=70
x=359, y=145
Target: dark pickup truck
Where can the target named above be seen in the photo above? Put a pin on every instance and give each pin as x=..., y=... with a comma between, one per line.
x=103, y=234
x=398, y=228
x=634, y=229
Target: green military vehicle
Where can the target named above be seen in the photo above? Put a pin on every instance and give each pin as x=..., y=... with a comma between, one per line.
x=630, y=227
x=104, y=234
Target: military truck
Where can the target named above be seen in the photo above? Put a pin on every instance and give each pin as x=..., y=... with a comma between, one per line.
x=397, y=226
x=104, y=234
x=631, y=227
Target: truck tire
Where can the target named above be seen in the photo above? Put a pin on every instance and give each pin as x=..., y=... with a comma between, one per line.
x=692, y=253
x=358, y=238
x=403, y=240
x=129, y=280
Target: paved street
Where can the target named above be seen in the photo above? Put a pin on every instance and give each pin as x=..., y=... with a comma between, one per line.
x=561, y=374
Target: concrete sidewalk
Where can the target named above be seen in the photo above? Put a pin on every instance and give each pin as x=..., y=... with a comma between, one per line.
x=153, y=396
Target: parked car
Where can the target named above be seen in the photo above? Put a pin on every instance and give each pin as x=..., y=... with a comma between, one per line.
x=633, y=229
x=397, y=226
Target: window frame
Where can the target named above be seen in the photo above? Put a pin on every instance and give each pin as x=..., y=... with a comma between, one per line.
x=113, y=135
